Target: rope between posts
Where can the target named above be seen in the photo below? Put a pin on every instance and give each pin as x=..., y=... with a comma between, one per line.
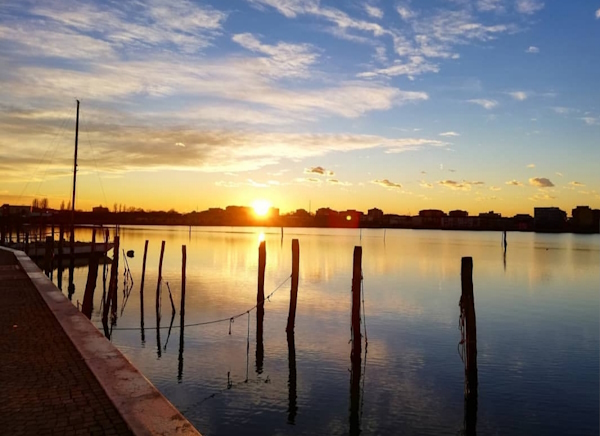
x=215, y=321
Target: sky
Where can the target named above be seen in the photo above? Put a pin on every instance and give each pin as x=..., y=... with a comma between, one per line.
x=402, y=105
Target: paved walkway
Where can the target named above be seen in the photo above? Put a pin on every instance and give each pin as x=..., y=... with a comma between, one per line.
x=46, y=387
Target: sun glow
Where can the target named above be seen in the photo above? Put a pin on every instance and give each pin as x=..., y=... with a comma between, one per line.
x=261, y=207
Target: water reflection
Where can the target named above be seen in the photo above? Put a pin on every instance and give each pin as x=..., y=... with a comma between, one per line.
x=292, y=394
x=538, y=321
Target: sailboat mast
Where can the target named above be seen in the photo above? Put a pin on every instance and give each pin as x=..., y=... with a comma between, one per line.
x=75, y=168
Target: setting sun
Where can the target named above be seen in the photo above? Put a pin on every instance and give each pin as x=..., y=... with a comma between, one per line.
x=261, y=207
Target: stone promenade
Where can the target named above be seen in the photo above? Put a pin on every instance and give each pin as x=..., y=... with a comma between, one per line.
x=46, y=386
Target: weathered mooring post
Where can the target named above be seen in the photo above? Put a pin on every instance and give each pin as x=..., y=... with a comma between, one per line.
x=90, y=286
x=48, y=255
x=111, y=297
x=160, y=263
x=356, y=282
x=294, y=288
x=142, y=291
x=468, y=307
x=260, y=306
x=356, y=353
x=182, y=312
x=71, y=288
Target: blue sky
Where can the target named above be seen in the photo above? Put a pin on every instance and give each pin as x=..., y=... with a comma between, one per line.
x=405, y=105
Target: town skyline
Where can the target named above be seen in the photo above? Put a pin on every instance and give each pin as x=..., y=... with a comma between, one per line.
x=479, y=104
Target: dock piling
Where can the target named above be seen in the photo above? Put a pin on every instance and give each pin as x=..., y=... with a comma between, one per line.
x=468, y=307
x=356, y=282
x=294, y=288
x=142, y=291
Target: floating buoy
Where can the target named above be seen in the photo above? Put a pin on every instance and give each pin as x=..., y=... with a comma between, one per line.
x=130, y=253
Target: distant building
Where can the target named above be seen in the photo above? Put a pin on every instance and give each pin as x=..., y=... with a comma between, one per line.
x=461, y=222
x=374, y=215
x=583, y=216
x=15, y=210
x=394, y=220
x=432, y=213
x=100, y=209
x=549, y=218
x=523, y=222
x=458, y=213
x=490, y=215
x=429, y=219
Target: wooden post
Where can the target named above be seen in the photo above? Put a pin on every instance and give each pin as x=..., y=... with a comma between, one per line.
x=90, y=286
x=71, y=289
x=356, y=282
x=160, y=263
x=48, y=255
x=142, y=290
x=260, y=306
x=356, y=353
x=182, y=311
x=294, y=289
x=262, y=262
x=115, y=279
x=112, y=284
x=468, y=305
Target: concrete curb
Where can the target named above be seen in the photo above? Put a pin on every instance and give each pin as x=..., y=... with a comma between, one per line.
x=143, y=408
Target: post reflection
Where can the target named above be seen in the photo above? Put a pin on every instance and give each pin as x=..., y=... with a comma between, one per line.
x=355, y=375
x=470, y=418
x=292, y=395
x=260, y=351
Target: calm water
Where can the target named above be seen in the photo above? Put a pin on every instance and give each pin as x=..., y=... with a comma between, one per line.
x=537, y=319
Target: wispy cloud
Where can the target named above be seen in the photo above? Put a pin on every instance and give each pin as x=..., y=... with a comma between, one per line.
x=591, y=121
x=373, y=11
x=387, y=184
x=533, y=49
x=449, y=134
x=514, y=183
x=529, y=7
x=561, y=110
x=338, y=182
x=180, y=144
x=542, y=197
x=318, y=170
x=424, y=184
x=484, y=103
x=518, y=95
x=462, y=186
x=531, y=166
x=576, y=184
x=495, y=188
x=598, y=14
x=541, y=182
x=559, y=174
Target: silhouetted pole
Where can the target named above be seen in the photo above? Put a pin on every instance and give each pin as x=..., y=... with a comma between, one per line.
x=48, y=255
x=260, y=309
x=142, y=290
x=115, y=279
x=182, y=311
x=294, y=289
x=71, y=288
x=356, y=281
x=292, y=392
x=468, y=305
x=90, y=286
x=111, y=297
x=160, y=263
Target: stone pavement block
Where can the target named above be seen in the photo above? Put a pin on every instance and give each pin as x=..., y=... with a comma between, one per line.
x=47, y=387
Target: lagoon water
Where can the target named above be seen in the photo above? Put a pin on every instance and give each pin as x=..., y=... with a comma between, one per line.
x=537, y=308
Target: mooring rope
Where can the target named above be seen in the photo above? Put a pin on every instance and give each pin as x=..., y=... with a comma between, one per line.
x=229, y=319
